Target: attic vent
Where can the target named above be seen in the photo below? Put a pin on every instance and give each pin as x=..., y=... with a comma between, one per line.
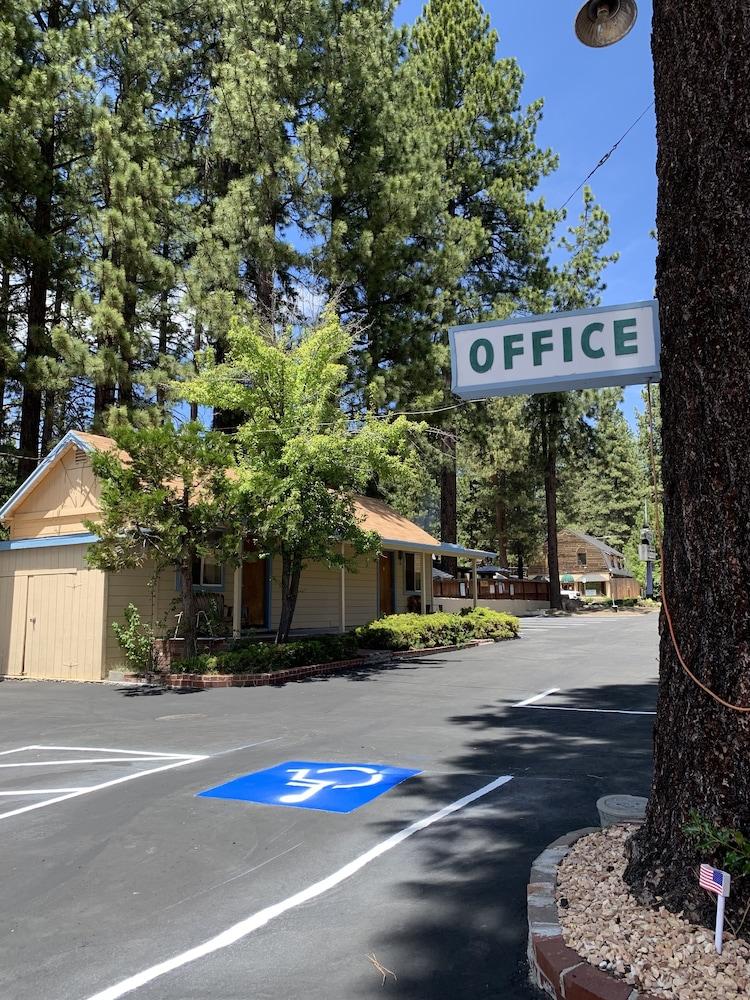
x=81, y=456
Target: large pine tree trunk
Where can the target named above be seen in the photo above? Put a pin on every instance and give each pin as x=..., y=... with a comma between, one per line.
x=701, y=50
x=448, y=501
x=550, y=424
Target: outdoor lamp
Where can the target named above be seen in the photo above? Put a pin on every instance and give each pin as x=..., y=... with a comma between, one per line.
x=604, y=22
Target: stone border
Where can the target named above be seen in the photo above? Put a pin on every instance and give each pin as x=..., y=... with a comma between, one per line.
x=555, y=968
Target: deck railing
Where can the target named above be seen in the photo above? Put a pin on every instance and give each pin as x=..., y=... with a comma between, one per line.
x=493, y=590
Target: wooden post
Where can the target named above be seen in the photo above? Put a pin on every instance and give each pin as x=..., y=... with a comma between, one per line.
x=474, y=579
x=342, y=609
x=423, y=595
x=237, y=599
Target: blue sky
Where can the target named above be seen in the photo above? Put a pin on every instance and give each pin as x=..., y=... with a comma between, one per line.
x=591, y=97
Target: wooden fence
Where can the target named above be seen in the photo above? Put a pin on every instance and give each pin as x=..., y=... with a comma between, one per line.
x=493, y=590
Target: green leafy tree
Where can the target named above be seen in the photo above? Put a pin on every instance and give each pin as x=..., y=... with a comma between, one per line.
x=166, y=503
x=299, y=459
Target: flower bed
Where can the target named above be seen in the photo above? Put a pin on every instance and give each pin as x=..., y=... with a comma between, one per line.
x=412, y=631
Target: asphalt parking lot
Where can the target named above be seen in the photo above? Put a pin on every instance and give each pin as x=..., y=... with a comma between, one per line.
x=120, y=879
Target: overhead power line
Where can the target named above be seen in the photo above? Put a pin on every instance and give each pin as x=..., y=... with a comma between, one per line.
x=607, y=155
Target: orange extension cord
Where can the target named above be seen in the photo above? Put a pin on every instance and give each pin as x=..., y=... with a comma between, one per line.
x=665, y=605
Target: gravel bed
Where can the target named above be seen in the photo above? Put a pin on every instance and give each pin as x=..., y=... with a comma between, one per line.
x=653, y=950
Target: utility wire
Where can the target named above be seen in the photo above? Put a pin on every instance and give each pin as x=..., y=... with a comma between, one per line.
x=607, y=155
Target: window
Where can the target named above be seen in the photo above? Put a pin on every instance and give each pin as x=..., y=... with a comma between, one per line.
x=208, y=574
x=413, y=582
x=582, y=557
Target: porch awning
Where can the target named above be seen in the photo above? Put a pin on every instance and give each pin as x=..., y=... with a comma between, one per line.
x=437, y=549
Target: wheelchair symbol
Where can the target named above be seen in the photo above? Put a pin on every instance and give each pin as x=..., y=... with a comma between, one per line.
x=311, y=786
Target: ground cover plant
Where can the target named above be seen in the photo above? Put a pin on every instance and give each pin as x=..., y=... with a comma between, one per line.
x=413, y=631
x=263, y=657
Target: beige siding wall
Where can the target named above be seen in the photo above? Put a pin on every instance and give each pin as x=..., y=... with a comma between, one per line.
x=159, y=603
x=319, y=601
x=52, y=608
x=66, y=497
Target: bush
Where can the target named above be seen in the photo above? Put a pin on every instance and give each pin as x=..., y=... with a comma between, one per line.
x=136, y=639
x=488, y=624
x=411, y=631
x=263, y=657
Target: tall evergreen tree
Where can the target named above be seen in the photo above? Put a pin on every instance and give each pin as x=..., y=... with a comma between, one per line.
x=703, y=287
x=612, y=487
x=488, y=239
x=557, y=420
x=44, y=113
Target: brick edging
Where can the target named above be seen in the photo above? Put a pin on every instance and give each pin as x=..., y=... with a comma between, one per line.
x=555, y=968
x=407, y=654
x=203, y=681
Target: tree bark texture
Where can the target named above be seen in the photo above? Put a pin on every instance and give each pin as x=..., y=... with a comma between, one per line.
x=291, y=571
x=448, y=501
x=188, y=623
x=701, y=50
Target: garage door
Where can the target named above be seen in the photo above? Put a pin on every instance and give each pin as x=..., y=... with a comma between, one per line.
x=56, y=624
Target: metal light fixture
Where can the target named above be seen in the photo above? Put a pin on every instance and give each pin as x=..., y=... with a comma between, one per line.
x=604, y=22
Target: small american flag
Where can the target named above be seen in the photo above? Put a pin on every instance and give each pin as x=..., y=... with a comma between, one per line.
x=714, y=880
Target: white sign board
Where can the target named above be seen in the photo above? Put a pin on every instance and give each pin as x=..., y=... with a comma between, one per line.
x=587, y=349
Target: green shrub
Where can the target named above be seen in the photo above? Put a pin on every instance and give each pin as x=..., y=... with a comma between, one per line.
x=136, y=639
x=488, y=624
x=412, y=631
x=264, y=657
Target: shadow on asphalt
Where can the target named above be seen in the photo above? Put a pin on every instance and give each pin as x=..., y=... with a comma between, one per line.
x=469, y=936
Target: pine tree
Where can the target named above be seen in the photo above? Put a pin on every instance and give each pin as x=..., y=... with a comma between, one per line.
x=141, y=213
x=487, y=243
x=265, y=159
x=612, y=487
x=44, y=116
x=556, y=421
x=500, y=495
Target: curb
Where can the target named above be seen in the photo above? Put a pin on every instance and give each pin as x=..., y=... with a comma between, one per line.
x=556, y=969
x=200, y=682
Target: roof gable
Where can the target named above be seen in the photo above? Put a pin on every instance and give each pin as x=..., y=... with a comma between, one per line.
x=596, y=542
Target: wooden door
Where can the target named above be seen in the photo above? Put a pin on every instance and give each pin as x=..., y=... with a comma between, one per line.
x=254, y=592
x=13, y=609
x=64, y=625
x=386, y=584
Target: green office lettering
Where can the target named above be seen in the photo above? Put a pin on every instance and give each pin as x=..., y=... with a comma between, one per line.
x=489, y=356
x=586, y=341
x=509, y=350
x=623, y=337
x=567, y=343
x=540, y=345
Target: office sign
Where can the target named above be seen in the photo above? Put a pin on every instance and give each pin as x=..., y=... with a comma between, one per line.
x=586, y=349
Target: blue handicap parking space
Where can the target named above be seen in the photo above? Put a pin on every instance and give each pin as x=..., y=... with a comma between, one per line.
x=306, y=784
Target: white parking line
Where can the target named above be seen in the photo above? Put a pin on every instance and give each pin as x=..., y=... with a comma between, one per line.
x=257, y=920
x=598, y=711
x=88, y=760
x=170, y=761
x=536, y=697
